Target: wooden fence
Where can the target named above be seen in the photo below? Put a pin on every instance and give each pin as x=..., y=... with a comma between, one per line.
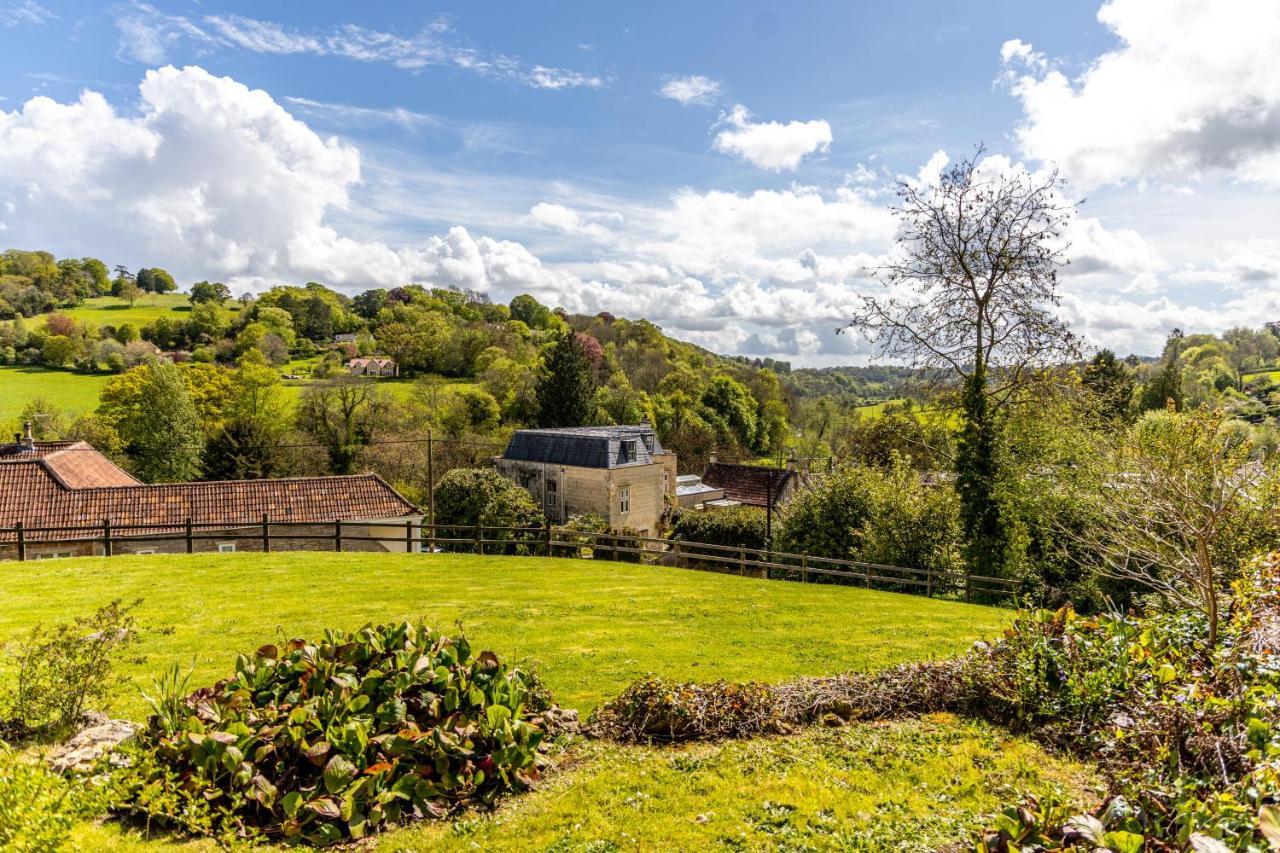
x=547, y=540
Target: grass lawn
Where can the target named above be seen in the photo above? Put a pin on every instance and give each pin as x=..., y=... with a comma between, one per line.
x=73, y=393
x=591, y=628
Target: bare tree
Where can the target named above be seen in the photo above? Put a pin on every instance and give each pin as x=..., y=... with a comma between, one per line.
x=973, y=289
x=343, y=414
x=1180, y=506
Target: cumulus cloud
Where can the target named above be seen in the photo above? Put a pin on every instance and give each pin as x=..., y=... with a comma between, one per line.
x=1193, y=87
x=694, y=89
x=772, y=146
x=150, y=36
x=566, y=220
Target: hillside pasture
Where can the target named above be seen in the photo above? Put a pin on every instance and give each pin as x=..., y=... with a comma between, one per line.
x=72, y=392
x=113, y=311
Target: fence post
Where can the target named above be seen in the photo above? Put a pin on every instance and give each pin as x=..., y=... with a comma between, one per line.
x=479, y=540
x=742, y=560
x=266, y=534
x=408, y=535
x=968, y=586
x=804, y=568
x=548, y=535
x=337, y=534
x=676, y=551
x=431, y=536
x=191, y=536
x=106, y=537
x=614, y=540
x=22, y=542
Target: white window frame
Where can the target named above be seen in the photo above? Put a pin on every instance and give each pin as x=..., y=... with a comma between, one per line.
x=226, y=547
x=624, y=499
x=629, y=450
x=553, y=493
x=56, y=555
x=145, y=552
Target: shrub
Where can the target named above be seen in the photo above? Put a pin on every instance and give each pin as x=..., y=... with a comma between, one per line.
x=332, y=740
x=36, y=806
x=466, y=497
x=63, y=669
x=728, y=526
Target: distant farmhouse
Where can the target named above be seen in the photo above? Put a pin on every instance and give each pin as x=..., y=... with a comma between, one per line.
x=620, y=473
x=344, y=338
x=373, y=366
x=70, y=484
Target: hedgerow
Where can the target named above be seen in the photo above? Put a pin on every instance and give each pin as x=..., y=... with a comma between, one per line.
x=321, y=742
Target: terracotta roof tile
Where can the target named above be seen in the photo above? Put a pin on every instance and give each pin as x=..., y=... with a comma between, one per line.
x=748, y=484
x=32, y=493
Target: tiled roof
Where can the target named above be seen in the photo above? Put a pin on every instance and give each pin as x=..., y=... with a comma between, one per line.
x=748, y=484
x=30, y=493
x=584, y=447
x=74, y=464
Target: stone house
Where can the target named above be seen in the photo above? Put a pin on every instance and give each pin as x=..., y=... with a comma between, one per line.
x=56, y=484
x=620, y=473
x=373, y=366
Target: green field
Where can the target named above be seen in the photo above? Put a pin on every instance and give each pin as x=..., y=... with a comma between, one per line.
x=112, y=311
x=591, y=628
x=73, y=393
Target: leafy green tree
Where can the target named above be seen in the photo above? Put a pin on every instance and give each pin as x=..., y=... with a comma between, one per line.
x=154, y=414
x=531, y=312
x=978, y=260
x=155, y=280
x=204, y=291
x=255, y=425
x=731, y=402
x=57, y=350
x=1165, y=386
x=1111, y=382
x=566, y=385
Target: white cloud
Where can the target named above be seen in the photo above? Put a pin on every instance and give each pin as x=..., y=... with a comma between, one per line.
x=771, y=145
x=150, y=36
x=23, y=12
x=566, y=220
x=1193, y=87
x=694, y=89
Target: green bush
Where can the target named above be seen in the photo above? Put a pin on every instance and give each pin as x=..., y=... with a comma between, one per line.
x=466, y=497
x=321, y=742
x=877, y=515
x=61, y=670
x=37, y=807
x=728, y=526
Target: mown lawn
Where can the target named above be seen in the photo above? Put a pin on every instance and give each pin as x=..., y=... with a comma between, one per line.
x=72, y=393
x=112, y=311
x=591, y=628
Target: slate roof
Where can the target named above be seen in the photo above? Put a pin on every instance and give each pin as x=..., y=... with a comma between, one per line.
x=32, y=492
x=748, y=484
x=584, y=447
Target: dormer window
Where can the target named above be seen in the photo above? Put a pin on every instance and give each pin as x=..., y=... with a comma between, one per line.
x=647, y=438
x=627, y=450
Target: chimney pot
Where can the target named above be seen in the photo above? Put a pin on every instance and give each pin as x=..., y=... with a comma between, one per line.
x=28, y=437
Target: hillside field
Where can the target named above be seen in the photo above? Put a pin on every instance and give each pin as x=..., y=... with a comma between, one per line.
x=591, y=628
x=72, y=392
x=112, y=311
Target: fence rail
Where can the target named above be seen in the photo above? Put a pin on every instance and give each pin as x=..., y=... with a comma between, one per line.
x=547, y=540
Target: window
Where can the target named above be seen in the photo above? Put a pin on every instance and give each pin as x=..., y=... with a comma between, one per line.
x=145, y=551
x=627, y=452
x=553, y=496
x=53, y=556
x=647, y=438
x=624, y=499
x=226, y=547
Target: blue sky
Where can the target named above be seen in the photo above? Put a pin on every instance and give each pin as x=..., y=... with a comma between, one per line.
x=720, y=167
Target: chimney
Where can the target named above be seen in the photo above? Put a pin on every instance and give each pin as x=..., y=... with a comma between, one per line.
x=28, y=438
x=712, y=458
